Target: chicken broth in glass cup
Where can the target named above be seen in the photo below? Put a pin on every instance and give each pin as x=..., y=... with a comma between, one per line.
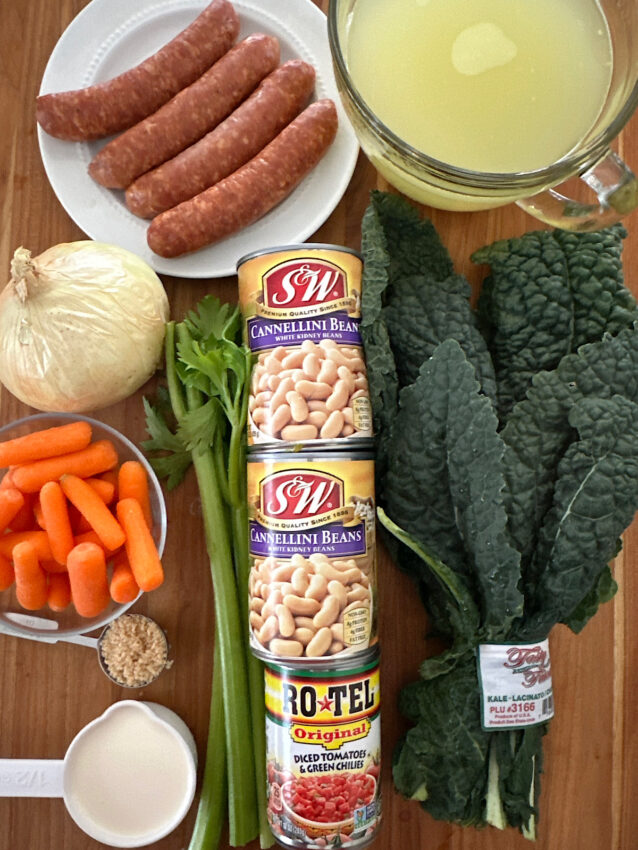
x=473, y=104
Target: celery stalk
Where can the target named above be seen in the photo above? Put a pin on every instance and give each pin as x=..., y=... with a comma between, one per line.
x=207, y=373
x=255, y=680
x=212, y=802
x=230, y=634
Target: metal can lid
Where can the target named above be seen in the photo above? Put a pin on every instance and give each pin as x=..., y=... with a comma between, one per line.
x=300, y=246
x=309, y=454
x=367, y=659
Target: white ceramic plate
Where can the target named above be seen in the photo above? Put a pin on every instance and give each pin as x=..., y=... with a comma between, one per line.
x=109, y=36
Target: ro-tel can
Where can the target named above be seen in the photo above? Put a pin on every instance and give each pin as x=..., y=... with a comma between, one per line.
x=312, y=586
x=302, y=310
x=323, y=740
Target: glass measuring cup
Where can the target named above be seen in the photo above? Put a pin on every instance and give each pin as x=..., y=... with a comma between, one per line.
x=102, y=808
x=442, y=185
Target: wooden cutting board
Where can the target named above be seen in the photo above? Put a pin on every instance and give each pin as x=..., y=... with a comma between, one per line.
x=47, y=693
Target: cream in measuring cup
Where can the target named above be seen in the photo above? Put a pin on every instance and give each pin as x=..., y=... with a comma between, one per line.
x=127, y=779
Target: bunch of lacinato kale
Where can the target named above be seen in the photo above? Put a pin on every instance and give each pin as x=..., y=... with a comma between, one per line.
x=507, y=458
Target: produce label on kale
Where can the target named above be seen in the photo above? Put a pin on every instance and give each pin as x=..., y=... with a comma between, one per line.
x=312, y=585
x=323, y=739
x=516, y=684
x=302, y=311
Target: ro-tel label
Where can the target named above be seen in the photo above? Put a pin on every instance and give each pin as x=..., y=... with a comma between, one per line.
x=516, y=684
x=312, y=585
x=302, y=311
x=323, y=738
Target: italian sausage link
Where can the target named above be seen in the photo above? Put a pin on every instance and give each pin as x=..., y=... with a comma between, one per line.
x=116, y=104
x=277, y=100
x=250, y=192
x=188, y=116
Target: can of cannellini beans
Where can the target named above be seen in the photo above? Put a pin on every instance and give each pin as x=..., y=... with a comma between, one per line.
x=302, y=309
x=312, y=586
x=323, y=740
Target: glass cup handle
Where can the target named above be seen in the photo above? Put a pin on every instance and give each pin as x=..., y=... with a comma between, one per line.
x=31, y=777
x=613, y=182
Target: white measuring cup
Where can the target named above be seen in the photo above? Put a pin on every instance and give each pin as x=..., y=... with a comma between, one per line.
x=127, y=779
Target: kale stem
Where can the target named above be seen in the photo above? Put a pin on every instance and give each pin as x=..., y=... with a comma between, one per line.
x=211, y=811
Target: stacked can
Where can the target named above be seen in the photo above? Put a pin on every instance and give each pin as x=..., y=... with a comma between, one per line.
x=312, y=587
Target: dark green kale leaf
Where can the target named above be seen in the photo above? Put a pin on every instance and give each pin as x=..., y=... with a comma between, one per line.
x=447, y=741
x=604, y=590
x=444, y=483
x=382, y=376
x=527, y=308
x=447, y=594
x=519, y=756
x=548, y=293
x=538, y=430
x=412, y=243
x=411, y=301
x=595, y=499
x=422, y=312
x=602, y=303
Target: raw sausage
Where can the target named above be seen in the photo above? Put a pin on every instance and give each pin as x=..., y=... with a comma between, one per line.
x=273, y=105
x=251, y=191
x=117, y=104
x=188, y=116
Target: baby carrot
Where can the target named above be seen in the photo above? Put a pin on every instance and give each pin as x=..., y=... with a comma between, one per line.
x=104, y=489
x=53, y=567
x=31, y=580
x=89, y=504
x=83, y=525
x=87, y=575
x=55, y=515
x=132, y=483
x=140, y=546
x=91, y=537
x=111, y=476
x=7, y=576
x=11, y=500
x=59, y=591
x=96, y=458
x=38, y=515
x=123, y=586
x=38, y=539
x=7, y=480
x=46, y=443
x=24, y=520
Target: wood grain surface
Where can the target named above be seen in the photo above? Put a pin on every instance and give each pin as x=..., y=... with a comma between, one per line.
x=47, y=693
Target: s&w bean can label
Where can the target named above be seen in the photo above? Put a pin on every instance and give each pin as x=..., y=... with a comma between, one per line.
x=323, y=739
x=312, y=585
x=302, y=309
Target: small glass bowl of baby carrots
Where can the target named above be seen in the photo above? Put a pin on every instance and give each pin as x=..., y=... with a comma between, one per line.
x=82, y=525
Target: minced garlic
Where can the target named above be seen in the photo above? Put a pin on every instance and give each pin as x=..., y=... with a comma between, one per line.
x=134, y=650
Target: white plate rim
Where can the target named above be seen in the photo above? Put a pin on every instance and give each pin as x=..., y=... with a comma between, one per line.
x=77, y=60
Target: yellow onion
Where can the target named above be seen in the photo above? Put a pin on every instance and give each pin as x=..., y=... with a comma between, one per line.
x=81, y=326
